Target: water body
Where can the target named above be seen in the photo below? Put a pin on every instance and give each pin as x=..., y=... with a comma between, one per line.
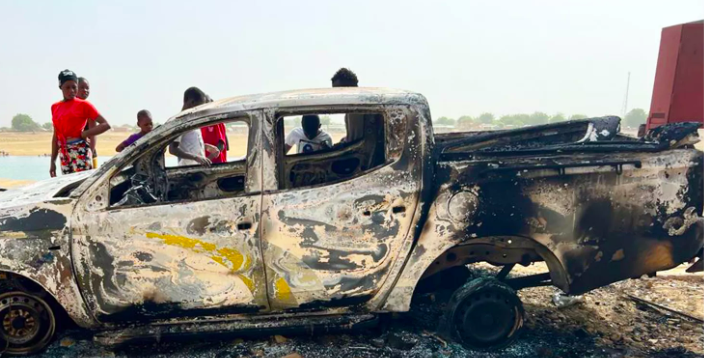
x=37, y=168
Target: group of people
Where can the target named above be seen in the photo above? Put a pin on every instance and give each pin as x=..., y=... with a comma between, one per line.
x=200, y=146
x=77, y=123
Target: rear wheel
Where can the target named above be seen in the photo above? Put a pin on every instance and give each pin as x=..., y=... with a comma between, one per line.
x=28, y=323
x=449, y=279
x=484, y=314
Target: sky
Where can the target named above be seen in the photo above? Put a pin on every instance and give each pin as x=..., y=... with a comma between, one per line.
x=466, y=57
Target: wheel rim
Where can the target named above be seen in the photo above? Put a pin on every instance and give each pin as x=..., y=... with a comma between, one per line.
x=487, y=318
x=28, y=322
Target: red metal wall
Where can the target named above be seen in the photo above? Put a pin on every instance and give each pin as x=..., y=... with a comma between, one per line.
x=678, y=92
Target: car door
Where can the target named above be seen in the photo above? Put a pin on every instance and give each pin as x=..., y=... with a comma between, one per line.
x=173, y=259
x=334, y=243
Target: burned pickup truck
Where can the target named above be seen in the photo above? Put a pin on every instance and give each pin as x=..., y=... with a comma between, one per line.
x=333, y=238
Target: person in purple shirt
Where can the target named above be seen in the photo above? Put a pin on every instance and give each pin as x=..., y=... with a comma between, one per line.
x=144, y=122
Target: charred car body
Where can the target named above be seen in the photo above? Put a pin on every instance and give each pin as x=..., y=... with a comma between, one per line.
x=331, y=238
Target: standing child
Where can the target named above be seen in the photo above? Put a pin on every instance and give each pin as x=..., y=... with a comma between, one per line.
x=69, y=117
x=144, y=122
x=189, y=147
x=216, y=135
x=83, y=93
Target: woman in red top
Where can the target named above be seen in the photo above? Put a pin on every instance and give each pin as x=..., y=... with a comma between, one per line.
x=69, y=118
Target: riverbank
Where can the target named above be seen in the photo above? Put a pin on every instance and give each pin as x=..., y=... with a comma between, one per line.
x=38, y=144
x=11, y=183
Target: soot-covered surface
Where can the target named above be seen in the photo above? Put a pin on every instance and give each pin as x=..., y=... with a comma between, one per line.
x=604, y=325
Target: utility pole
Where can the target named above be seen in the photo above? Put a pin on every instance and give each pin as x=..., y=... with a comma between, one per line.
x=624, y=110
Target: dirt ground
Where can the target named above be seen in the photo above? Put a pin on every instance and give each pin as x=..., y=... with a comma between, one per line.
x=605, y=324
x=12, y=183
x=33, y=144
x=37, y=144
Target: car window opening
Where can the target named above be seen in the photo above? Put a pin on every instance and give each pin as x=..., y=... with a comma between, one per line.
x=222, y=175
x=327, y=148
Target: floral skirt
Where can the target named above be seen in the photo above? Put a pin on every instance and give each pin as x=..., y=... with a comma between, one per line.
x=76, y=157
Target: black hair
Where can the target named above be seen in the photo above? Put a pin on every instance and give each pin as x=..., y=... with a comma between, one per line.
x=195, y=94
x=311, y=122
x=143, y=112
x=65, y=76
x=345, y=77
x=82, y=79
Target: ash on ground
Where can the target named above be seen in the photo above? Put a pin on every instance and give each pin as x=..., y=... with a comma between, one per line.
x=604, y=323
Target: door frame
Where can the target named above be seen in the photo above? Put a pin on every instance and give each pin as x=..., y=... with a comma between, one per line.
x=94, y=200
x=407, y=146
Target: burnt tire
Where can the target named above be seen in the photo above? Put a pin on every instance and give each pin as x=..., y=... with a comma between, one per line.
x=484, y=314
x=27, y=323
x=450, y=279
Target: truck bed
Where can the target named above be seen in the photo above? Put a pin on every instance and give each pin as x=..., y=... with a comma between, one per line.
x=603, y=207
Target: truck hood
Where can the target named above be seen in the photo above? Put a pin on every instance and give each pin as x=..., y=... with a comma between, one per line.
x=59, y=187
x=600, y=134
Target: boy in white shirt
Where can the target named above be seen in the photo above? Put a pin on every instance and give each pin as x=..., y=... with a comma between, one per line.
x=189, y=147
x=309, y=138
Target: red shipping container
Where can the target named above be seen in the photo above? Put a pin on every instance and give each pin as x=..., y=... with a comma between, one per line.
x=678, y=93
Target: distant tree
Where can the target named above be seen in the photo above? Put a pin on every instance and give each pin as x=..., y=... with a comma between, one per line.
x=444, y=121
x=48, y=126
x=635, y=117
x=523, y=118
x=325, y=120
x=558, y=117
x=292, y=122
x=577, y=116
x=515, y=120
x=538, y=118
x=24, y=123
x=465, y=121
x=486, y=118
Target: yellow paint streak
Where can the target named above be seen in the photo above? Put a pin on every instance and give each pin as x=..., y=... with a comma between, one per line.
x=235, y=257
x=283, y=290
x=247, y=281
x=219, y=260
x=14, y=234
x=247, y=263
x=182, y=241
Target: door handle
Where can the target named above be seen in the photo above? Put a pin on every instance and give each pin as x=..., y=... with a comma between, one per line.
x=398, y=209
x=244, y=226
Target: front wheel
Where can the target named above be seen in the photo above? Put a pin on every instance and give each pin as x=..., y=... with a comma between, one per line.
x=484, y=314
x=28, y=323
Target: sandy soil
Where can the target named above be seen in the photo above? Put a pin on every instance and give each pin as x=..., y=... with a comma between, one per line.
x=38, y=143
x=33, y=144
x=10, y=183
